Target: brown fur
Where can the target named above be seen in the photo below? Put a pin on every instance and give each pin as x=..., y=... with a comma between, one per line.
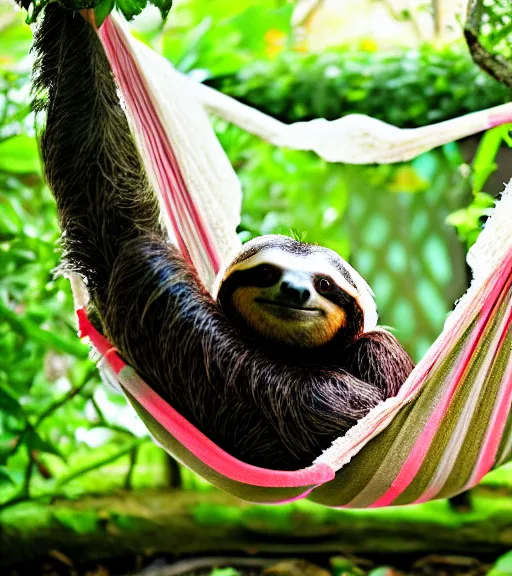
x=256, y=405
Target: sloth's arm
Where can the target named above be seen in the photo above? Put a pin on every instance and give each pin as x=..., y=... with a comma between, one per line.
x=91, y=162
x=379, y=358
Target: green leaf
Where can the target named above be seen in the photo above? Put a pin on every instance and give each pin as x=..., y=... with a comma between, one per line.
x=35, y=442
x=130, y=8
x=102, y=11
x=102, y=8
x=78, y=521
x=9, y=404
x=31, y=330
x=467, y=221
x=225, y=572
x=484, y=162
x=19, y=155
x=5, y=477
x=164, y=6
x=507, y=134
x=503, y=566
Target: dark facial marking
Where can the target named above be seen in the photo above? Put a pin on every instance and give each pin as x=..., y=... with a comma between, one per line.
x=297, y=248
x=324, y=285
x=263, y=276
x=337, y=263
x=327, y=288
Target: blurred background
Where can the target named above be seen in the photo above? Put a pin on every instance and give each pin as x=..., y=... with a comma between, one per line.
x=406, y=228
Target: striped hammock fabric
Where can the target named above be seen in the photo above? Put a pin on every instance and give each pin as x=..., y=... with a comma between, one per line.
x=450, y=423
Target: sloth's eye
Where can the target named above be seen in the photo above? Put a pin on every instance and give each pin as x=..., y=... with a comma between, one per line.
x=268, y=274
x=324, y=285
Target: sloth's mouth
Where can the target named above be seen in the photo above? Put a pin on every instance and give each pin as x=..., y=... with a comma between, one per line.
x=287, y=306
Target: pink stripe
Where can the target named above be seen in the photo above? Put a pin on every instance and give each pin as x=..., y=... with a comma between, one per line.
x=491, y=444
x=157, y=153
x=494, y=435
x=102, y=345
x=121, y=70
x=500, y=115
x=216, y=458
x=291, y=500
x=417, y=455
x=170, y=178
x=194, y=440
x=180, y=186
x=494, y=423
x=126, y=71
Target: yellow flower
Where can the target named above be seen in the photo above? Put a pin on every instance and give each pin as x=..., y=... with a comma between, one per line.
x=274, y=41
x=368, y=45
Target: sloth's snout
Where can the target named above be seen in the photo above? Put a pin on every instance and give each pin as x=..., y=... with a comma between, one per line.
x=294, y=292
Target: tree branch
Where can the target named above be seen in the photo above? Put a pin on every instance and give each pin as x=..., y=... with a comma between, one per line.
x=495, y=65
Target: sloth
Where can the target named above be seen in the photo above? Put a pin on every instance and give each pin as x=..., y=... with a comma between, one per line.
x=282, y=360
x=296, y=295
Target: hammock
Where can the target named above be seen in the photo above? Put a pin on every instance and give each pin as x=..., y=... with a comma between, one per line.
x=450, y=423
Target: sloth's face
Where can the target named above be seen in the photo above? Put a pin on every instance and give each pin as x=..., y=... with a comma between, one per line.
x=290, y=306
x=299, y=299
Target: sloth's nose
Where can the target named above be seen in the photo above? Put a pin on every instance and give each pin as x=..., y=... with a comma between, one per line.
x=295, y=292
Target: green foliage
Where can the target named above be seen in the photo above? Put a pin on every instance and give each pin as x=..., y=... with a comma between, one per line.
x=493, y=26
x=503, y=566
x=248, y=51
x=50, y=405
x=496, y=28
x=225, y=572
x=222, y=37
x=129, y=8
x=484, y=162
x=468, y=221
x=287, y=192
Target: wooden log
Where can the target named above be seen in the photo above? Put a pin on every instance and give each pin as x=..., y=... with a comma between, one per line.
x=190, y=523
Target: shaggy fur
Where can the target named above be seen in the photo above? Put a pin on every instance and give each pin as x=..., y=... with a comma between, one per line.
x=149, y=301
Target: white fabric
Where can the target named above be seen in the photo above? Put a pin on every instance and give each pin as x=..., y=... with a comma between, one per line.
x=209, y=178
x=207, y=171
x=494, y=241
x=352, y=139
